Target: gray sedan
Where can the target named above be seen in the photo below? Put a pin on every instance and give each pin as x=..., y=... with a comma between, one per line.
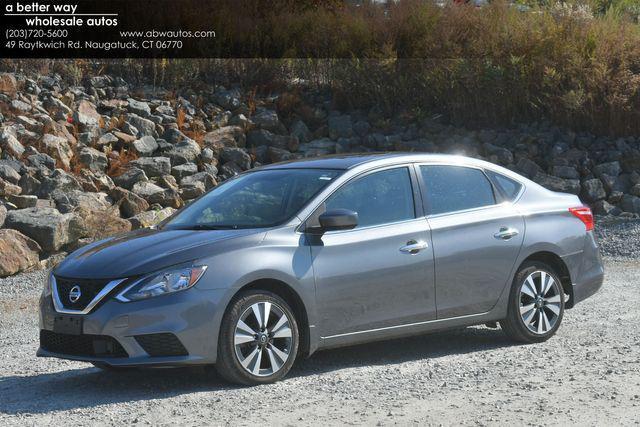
x=291, y=258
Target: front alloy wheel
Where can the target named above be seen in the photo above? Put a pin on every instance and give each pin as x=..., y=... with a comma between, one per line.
x=536, y=304
x=263, y=339
x=258, y=339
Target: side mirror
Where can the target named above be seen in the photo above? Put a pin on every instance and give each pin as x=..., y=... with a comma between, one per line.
x=338, y=219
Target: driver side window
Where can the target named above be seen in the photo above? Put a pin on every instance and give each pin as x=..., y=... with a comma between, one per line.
x=378, y=198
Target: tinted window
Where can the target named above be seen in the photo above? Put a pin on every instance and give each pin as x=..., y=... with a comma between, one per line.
x=256, y=199
x=508, y=186
x=455, y=188
x=378, y=198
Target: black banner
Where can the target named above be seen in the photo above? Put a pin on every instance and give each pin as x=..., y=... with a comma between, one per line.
x=156, y=28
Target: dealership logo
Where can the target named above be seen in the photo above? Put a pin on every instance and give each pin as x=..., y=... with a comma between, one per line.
x=75, y=293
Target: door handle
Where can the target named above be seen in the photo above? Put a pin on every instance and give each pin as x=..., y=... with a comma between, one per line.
x=412, y=247
x=506, y=233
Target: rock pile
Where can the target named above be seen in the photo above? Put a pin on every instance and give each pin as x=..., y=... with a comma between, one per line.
x=78, y=163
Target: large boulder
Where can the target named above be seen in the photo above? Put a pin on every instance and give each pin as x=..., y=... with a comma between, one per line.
x=47, y=226
x=566, y=172
x=86, y=114
x=183, y=170
x=150, y=218
x=139, y=107
x=146, y=189
x=300, y=130
x=268, y=119
x=611, y=169
x=236, y=155
x=130, y=204
x=8, y=189
x=186, y=151
x=145, y=146
x=630, y=203
x=144, y=126
x=259, y=137
x=103, y=222
x=58, y=148
x=130, y=177
x=17, y=252
x=340, y=126
x=3, y=215
x=92, y=159
x=74, y=200
x=11, y=145
x=8, y=84
x=318, y=147
x=154, y=166
x=58, y=181
x=227, y=136
x=592, y=190
x=8, y=173
x=557, y=184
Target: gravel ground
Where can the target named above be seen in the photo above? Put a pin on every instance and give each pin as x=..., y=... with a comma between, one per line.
x=618, y=237
x=588, y=374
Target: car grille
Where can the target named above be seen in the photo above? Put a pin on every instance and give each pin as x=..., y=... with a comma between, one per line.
x=81, y=345
x=158, y=345
x=88, y=288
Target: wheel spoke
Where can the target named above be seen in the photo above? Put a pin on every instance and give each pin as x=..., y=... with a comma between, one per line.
x=280, y=323
x=256, y=366
x=529, y=287
x=547, y=325
x=284, y=332
x=247, y=360
x=242, y=338
x=553, y=300
x=529, y=318
x=526, y=308
x=267, y=311
x=281, y=354
x=554, y=307
x=548, y=285
x=540, y=322
x=275, y=364
x=258, y=315
x=543, y=281
x=245, y=328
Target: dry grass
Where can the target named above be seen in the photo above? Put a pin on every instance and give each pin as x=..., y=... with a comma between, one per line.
x=485, y=66
x=118, y=166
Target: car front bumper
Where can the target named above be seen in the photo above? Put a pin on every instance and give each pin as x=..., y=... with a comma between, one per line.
x=192, y=317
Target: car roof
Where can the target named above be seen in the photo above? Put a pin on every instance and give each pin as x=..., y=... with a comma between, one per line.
x=350, y=161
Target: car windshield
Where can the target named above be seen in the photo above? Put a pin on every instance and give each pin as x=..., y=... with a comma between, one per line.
x=253, y=200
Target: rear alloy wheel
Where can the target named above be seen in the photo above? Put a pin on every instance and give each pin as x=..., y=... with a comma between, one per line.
x=536, y=304
x=259, y=339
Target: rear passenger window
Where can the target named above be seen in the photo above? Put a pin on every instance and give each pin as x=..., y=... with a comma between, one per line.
x=378, y=198
x=507, y=186
x=455, y=188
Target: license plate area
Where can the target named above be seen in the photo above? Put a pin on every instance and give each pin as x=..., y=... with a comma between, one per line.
x=71, y=325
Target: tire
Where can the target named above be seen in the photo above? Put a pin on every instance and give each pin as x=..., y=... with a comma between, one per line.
x=531, y=316
x=250, y=353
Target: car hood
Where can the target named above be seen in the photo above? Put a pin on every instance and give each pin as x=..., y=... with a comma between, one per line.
x=144, y=251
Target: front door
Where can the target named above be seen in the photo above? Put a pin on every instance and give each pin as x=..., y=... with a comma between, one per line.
x=368, y=277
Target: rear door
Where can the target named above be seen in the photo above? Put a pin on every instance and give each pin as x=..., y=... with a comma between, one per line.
x=366, y=278
x=476, y=240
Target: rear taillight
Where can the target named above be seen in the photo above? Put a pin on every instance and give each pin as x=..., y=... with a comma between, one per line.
x=584, y=214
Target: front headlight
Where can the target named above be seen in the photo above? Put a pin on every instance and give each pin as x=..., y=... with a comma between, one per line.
x=162, y=283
